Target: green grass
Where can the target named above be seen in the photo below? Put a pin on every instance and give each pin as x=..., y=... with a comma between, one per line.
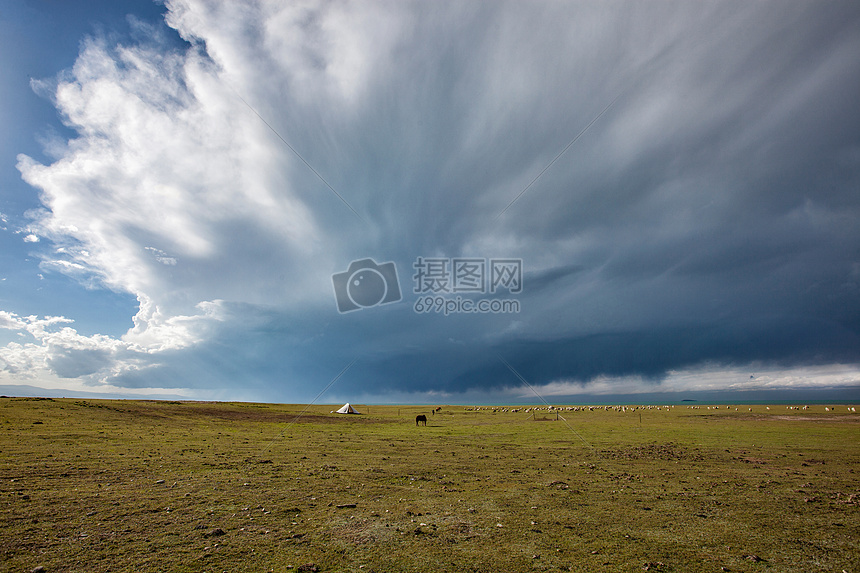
x=102, y=485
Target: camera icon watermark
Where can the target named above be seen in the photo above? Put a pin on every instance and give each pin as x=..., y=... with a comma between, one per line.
x=365, y=284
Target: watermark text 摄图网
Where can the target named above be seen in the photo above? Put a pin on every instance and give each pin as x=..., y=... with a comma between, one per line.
x=467, y=275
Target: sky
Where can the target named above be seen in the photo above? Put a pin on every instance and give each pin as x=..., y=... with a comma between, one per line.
x=430, y=202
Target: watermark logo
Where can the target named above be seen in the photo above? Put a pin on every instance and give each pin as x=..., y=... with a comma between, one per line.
x=460, y=305
x=436, y=277
x=441, y=283
x=365, y=284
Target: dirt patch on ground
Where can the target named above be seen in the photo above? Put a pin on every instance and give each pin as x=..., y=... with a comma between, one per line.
x=322, y=419
x=667, y=451
x=281, y=417
x=219, y=412
x=840, y=419
x=361, y=532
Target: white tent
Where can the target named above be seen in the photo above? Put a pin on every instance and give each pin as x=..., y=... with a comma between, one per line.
x=347, y=409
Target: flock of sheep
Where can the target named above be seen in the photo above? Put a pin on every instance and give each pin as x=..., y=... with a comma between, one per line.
x=564, y=408
x=620, y=408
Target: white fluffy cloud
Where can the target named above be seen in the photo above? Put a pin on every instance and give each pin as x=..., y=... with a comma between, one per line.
x=174, y=192
x=57, y=351
x=168, y=163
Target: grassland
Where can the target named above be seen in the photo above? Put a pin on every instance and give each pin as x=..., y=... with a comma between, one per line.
x=91, y=485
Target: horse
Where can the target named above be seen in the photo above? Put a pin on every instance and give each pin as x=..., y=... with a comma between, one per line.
x=420, y=418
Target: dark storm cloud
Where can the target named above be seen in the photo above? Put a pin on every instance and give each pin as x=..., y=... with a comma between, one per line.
x=713, y=211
